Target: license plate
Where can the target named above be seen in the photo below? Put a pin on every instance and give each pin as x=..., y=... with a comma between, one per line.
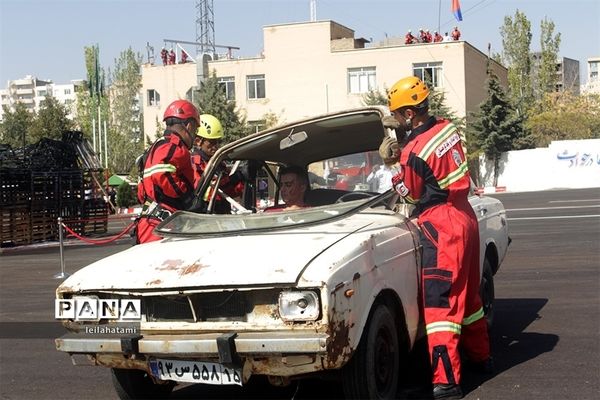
x=195, y=372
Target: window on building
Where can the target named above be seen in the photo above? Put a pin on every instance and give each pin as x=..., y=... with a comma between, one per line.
x=361, y=80
x=228, y=85
x=153, y=98
x=430, y=73
x=67, y=91
x=41, y=93
x=258, y=125
x=256, y=86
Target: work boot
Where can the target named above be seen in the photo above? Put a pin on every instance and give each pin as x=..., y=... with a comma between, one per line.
x=447, y=391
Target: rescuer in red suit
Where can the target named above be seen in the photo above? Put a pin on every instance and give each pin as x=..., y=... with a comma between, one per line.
x=432, y=173
x=166, y=170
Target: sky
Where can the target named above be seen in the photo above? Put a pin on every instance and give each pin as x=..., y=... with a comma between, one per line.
x=46, y=38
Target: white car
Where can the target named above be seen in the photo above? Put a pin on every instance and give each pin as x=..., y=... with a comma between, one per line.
x=287, y=294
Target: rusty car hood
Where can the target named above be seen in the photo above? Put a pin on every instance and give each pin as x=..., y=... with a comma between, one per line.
x=229, y=261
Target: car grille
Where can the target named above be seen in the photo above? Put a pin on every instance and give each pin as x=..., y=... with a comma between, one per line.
x=217, y=306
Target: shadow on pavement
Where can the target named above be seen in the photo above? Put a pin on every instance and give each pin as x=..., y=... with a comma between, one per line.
x=511, y=345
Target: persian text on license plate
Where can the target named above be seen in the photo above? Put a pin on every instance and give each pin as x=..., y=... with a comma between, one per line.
x=195, y=371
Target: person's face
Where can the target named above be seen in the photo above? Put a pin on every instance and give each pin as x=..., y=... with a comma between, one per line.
x=292, y=190
x=209, y=146
x=192, y=128
x=404, y=118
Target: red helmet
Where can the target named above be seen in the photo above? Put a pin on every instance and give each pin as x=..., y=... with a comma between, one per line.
x=182, y=109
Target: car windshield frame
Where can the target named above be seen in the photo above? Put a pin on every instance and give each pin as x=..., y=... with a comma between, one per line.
x=190, y=224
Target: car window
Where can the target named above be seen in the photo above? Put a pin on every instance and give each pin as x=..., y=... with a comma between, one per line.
x=349, y=172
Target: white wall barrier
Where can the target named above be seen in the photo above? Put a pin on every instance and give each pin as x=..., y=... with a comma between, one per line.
x=562, y=165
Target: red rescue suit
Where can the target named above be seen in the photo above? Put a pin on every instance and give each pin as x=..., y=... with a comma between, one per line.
x=232, y=185
x=167, y=183
x=434, y=176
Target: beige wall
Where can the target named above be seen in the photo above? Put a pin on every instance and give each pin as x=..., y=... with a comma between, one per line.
x=304, y=76
x=172, y=82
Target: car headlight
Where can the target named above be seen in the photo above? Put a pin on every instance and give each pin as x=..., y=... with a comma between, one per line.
x=299, y=306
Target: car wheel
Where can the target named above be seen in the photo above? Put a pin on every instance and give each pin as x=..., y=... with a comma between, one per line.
x=486, y=291
x=137, y=384
x=373, y=371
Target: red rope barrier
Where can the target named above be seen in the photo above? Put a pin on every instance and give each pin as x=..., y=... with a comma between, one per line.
x=81, y=220
x=98, y=242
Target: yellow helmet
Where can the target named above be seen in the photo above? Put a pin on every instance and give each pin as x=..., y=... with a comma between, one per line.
x=409, y=91
x=210, y=127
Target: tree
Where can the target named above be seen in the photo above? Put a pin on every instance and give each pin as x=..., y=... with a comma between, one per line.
x=546, y=73
x=516, y=42
x=438, y=107
x=211, y=99
x=89, y=101
x=565, y=116
x=15, y=126
x=125, y=195
x=495, y=127
x=51, y=120
x=125, y=139
x=375, y=98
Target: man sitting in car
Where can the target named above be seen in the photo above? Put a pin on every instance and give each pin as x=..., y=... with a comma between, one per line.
x=293, y=185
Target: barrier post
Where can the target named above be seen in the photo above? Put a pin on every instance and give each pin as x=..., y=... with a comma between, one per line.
x=62, y=273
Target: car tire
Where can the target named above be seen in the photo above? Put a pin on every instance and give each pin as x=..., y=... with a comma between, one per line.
x=373, y=371
x=137, y=384
x=486, y=291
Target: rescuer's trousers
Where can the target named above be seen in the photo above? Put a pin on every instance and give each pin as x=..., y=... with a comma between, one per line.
x=453, y=311
x=144, y=229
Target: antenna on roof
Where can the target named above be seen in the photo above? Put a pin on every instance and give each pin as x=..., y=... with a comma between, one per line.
x=313, y=10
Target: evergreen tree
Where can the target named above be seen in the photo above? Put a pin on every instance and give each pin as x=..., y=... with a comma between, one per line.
x=51, y=120
x=516, y=42
x=15, y=126
x=496, y=126
x=125, y=195
x=211, y=99
x=125, y=140
x=438, y=108
x=375, y=98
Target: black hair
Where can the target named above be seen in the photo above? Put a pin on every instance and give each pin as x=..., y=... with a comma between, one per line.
x=296, y=170
x=170, y=121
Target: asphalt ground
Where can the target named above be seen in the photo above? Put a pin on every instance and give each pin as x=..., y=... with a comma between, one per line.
x=545, y=339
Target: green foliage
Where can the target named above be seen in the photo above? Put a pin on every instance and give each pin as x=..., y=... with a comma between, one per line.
x=126, y=131
x=272, y=120
x=564, y=116
x=546, y=73
x=125, y=195
x=211, y=99
x=15, y=125
x=516, y=42
x=375, y=98
x=89, y=101
x=496, y=127
x=51, y=120
x=438, y=107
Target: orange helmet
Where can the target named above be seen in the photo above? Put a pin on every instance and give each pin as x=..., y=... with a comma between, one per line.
x=182, y=109
x=410, y=91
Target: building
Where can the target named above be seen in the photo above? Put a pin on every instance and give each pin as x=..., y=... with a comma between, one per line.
x=312, y=68
x=567, y=75
x=31, y=91
x=592, y=85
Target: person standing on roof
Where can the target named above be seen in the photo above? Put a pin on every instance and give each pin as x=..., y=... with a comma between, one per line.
x=164, y=54
x=206, y=144
x=433, y=175
x=409, y=38
x=437, y=37
x=456, y=33
x=166, y=171
x=172, y=57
